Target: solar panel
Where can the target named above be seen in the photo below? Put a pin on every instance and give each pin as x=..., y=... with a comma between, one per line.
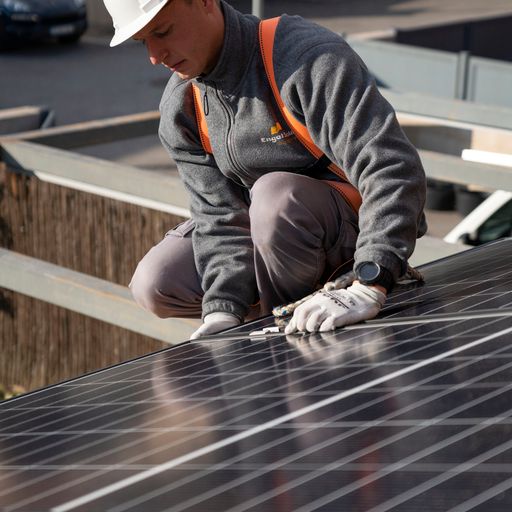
x=409, y=412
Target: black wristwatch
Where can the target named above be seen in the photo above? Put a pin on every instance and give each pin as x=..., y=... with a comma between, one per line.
x=372, y=274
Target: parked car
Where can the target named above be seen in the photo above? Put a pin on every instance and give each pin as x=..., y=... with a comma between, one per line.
x=492, y=218
x=489, y=221
x=27, y=21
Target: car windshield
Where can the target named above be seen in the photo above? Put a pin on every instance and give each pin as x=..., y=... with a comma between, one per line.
x=498, y=225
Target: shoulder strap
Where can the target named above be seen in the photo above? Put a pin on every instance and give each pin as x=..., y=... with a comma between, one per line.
x=201, y=120
x=267, y=36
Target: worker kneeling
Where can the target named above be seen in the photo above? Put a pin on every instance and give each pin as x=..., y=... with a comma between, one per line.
x=295, y=166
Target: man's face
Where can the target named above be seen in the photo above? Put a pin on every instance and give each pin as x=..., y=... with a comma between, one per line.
x=185, y=36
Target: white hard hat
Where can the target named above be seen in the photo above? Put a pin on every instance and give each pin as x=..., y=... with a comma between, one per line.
x=130, y=16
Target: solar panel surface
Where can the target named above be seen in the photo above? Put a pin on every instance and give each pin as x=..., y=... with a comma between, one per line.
x=385, y=416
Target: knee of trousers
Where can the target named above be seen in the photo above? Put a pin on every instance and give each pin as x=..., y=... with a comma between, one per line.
x=166, y=288
x=275, y=200
x=145, y=287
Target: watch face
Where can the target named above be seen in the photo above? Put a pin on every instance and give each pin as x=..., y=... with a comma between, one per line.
x=368, y=272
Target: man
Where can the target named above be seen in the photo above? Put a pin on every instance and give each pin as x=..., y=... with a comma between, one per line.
x=268, y=223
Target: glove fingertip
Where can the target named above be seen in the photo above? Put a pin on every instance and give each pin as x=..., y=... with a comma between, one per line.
x=290, y=328
x=328, y=324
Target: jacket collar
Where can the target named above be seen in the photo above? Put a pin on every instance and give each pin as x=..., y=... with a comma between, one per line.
x=240, y=43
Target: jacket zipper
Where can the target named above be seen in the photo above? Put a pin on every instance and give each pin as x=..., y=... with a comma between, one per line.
x=233, y=161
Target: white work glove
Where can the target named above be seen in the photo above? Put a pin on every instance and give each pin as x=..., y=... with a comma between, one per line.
x=330, y=309
x=214, y=323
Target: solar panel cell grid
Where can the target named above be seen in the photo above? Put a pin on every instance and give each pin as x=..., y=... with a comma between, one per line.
x=396, y=417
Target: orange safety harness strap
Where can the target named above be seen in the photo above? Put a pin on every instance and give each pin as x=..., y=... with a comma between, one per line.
x=267, y=36
x=267, y=32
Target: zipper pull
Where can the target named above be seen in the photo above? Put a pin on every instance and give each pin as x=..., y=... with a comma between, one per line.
x=206, y=106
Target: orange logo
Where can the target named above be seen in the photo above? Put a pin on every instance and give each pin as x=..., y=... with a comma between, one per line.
x=274, y=130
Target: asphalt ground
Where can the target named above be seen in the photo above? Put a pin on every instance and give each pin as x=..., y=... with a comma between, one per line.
x=90, y=81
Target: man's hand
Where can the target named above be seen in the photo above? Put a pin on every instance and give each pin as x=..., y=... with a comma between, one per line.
x=330, y=309
x=214, y=323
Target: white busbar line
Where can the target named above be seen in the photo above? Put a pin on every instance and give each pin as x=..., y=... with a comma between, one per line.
x=122, y=484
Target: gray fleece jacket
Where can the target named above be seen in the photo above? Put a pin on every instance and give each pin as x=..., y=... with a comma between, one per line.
x=328, y=88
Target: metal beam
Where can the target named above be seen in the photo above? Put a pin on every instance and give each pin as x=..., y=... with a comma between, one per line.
x=21, y=119
x=455, y=170
x=92, y=132
x=452, y=110
x=160, y=191
x=88, y=296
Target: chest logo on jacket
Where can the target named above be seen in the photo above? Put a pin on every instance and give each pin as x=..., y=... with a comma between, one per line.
x=277, y=135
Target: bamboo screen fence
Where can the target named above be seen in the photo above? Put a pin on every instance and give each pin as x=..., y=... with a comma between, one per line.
x=40, y=343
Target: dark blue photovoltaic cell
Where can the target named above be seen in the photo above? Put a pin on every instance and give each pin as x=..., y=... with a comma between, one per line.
x=402, y=417
x=473, y=280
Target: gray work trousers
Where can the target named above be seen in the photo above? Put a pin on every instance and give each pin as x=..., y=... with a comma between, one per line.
x=302, y=230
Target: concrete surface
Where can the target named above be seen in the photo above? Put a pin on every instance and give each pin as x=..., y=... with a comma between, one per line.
x=430, y=248
x=351, y=16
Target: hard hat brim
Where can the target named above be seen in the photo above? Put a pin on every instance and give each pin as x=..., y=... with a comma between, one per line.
x=125, y=33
